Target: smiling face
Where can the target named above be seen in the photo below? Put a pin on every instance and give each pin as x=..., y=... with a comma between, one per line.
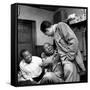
x=48, y=48
x=27, y=56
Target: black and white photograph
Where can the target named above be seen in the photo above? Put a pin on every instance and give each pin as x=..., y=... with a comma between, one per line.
x=49, y=44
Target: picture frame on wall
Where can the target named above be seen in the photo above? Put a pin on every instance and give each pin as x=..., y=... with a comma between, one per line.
x=49, y=44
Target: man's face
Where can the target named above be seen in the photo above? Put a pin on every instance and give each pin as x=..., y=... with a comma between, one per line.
x=49, y=31
x=27, y=56
x=48, y=49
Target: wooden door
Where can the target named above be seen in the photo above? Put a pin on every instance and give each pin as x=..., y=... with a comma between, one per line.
x=26, y=36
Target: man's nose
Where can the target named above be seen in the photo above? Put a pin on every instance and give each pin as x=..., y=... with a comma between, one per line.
x=28, y=56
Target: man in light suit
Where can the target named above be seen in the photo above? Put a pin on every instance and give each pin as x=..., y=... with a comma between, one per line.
x=67, y=46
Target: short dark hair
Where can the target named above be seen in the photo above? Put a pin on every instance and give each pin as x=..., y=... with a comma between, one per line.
x=44, y=25
x=22, y=51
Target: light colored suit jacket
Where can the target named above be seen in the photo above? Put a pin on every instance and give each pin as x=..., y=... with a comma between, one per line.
x=67, y=44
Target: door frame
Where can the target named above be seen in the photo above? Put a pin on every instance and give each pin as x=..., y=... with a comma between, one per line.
x=33, y=34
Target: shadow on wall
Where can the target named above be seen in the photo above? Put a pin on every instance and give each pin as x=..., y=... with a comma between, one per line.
x=39, y=50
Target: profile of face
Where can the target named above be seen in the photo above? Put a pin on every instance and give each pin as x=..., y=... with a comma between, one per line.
x=49, y=31
x=48, y=48
x=27, y=56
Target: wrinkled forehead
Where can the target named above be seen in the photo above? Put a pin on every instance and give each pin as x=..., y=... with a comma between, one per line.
x=46, y=45
x=26, y=53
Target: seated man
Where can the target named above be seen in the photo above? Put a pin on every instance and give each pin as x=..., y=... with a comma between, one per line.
x=30, y=67
x=52, y=63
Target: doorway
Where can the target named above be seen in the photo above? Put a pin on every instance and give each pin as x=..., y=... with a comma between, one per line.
x=26, y=36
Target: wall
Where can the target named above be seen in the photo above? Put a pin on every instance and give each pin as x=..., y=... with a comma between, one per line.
x=31, y=13
x=69, y=11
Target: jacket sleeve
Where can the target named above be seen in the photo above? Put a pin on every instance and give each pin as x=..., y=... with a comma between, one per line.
x=69, y=42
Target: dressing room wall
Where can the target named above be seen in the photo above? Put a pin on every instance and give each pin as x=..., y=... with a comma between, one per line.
x=38, y=15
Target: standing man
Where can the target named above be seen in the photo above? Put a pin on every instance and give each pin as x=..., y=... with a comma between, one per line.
x=67, y=46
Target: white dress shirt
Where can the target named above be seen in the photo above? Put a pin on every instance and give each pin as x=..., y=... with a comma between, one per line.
x=31, y=70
